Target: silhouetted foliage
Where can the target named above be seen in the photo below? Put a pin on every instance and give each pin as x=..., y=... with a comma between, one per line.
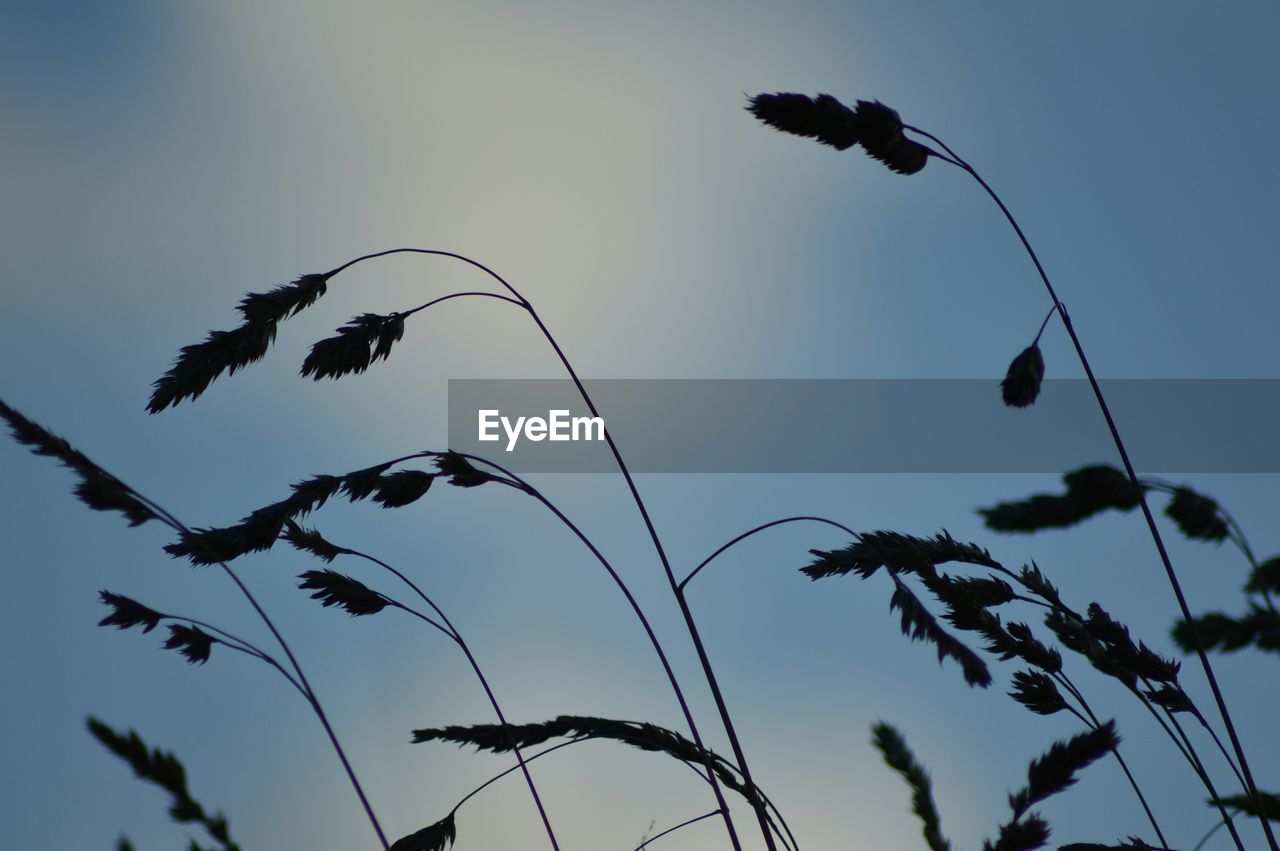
x=191, y=641
x=1102, y=640
x=1049, y=774
x=1196, y=515
x=1090, y=490
x=1267, y=805
x=1133, y=843
x=872, y=124
x=823, y=118
x=897, y=552
x=365, y=339
x=1171, y=697
x=260, y=530
x=1031, y=578
x=336, y=589
x=1055, y=770
x=642, y=735
x=1140, y=659
x=1259, y=627
x=435, y=837
x=461, y=472
x=127, y=613
x=1265, y=578
x=1021, y=386
x=399, y=489
x=164, y=770
x=893, y=747
x=1038, y=692
x=919, y=624
x=311, y=541
x=361, y=483
x=97, y=488
x=255, y=533
x=197, y=365
x=1074, y=634
x=1025, y=834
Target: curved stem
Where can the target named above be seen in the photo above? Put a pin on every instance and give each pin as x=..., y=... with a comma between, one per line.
x=756, y=530
x=394, y=603
x=1250, y=786
x=434, y=301
x=1045, y=324
x=522, y=763
x=235, y=642
x=495, y=778
x=486, y=784
x=309, y=692
x=1236, y=533
x=1206, y=779
x=1092, y=722
x=1217, y=741
x=687, y=614
x=730, y=731
x=520, y=484
x=1208, y=835
x=452, y=632
x=685, y=823
x=644, y=622
x=436, y=253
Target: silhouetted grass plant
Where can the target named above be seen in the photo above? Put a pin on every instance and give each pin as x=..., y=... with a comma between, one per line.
x=967, y=619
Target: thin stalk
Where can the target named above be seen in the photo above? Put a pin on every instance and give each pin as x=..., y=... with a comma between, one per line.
x=1206, y=779
x=757, y=530
x=512, y=480
x=486, y=784
x=1250, y=786
x=1217, y=741
x=1045, y=323
x=406, y=313
x=452, y=632
x=235, y=642
x=309, y=692
x=684, y=823
x=653, y=640
x=686, y=613
x=1236, y=533
x=494, y=779
x=730, y=731
x=1092, y=722
x=1208, y=836
x=785, y=828
x=396, y=604
x=1183, y=744
x=710, y=776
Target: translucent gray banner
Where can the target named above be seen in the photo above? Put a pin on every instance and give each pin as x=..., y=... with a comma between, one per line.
x=865, y=425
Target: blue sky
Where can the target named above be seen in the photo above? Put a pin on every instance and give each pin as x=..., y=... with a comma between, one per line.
x=159, y=160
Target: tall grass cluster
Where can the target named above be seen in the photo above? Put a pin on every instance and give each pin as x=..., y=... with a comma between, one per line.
x=954, y=596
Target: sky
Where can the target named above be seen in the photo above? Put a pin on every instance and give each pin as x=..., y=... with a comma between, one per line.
x=159, y=160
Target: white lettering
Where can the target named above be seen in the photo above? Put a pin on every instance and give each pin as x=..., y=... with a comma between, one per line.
x=558, y=426
x=513, y=434
x=487, y=423
x=587, y=424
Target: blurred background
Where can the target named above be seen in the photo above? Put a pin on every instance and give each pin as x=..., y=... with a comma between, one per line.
x=159, y=160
